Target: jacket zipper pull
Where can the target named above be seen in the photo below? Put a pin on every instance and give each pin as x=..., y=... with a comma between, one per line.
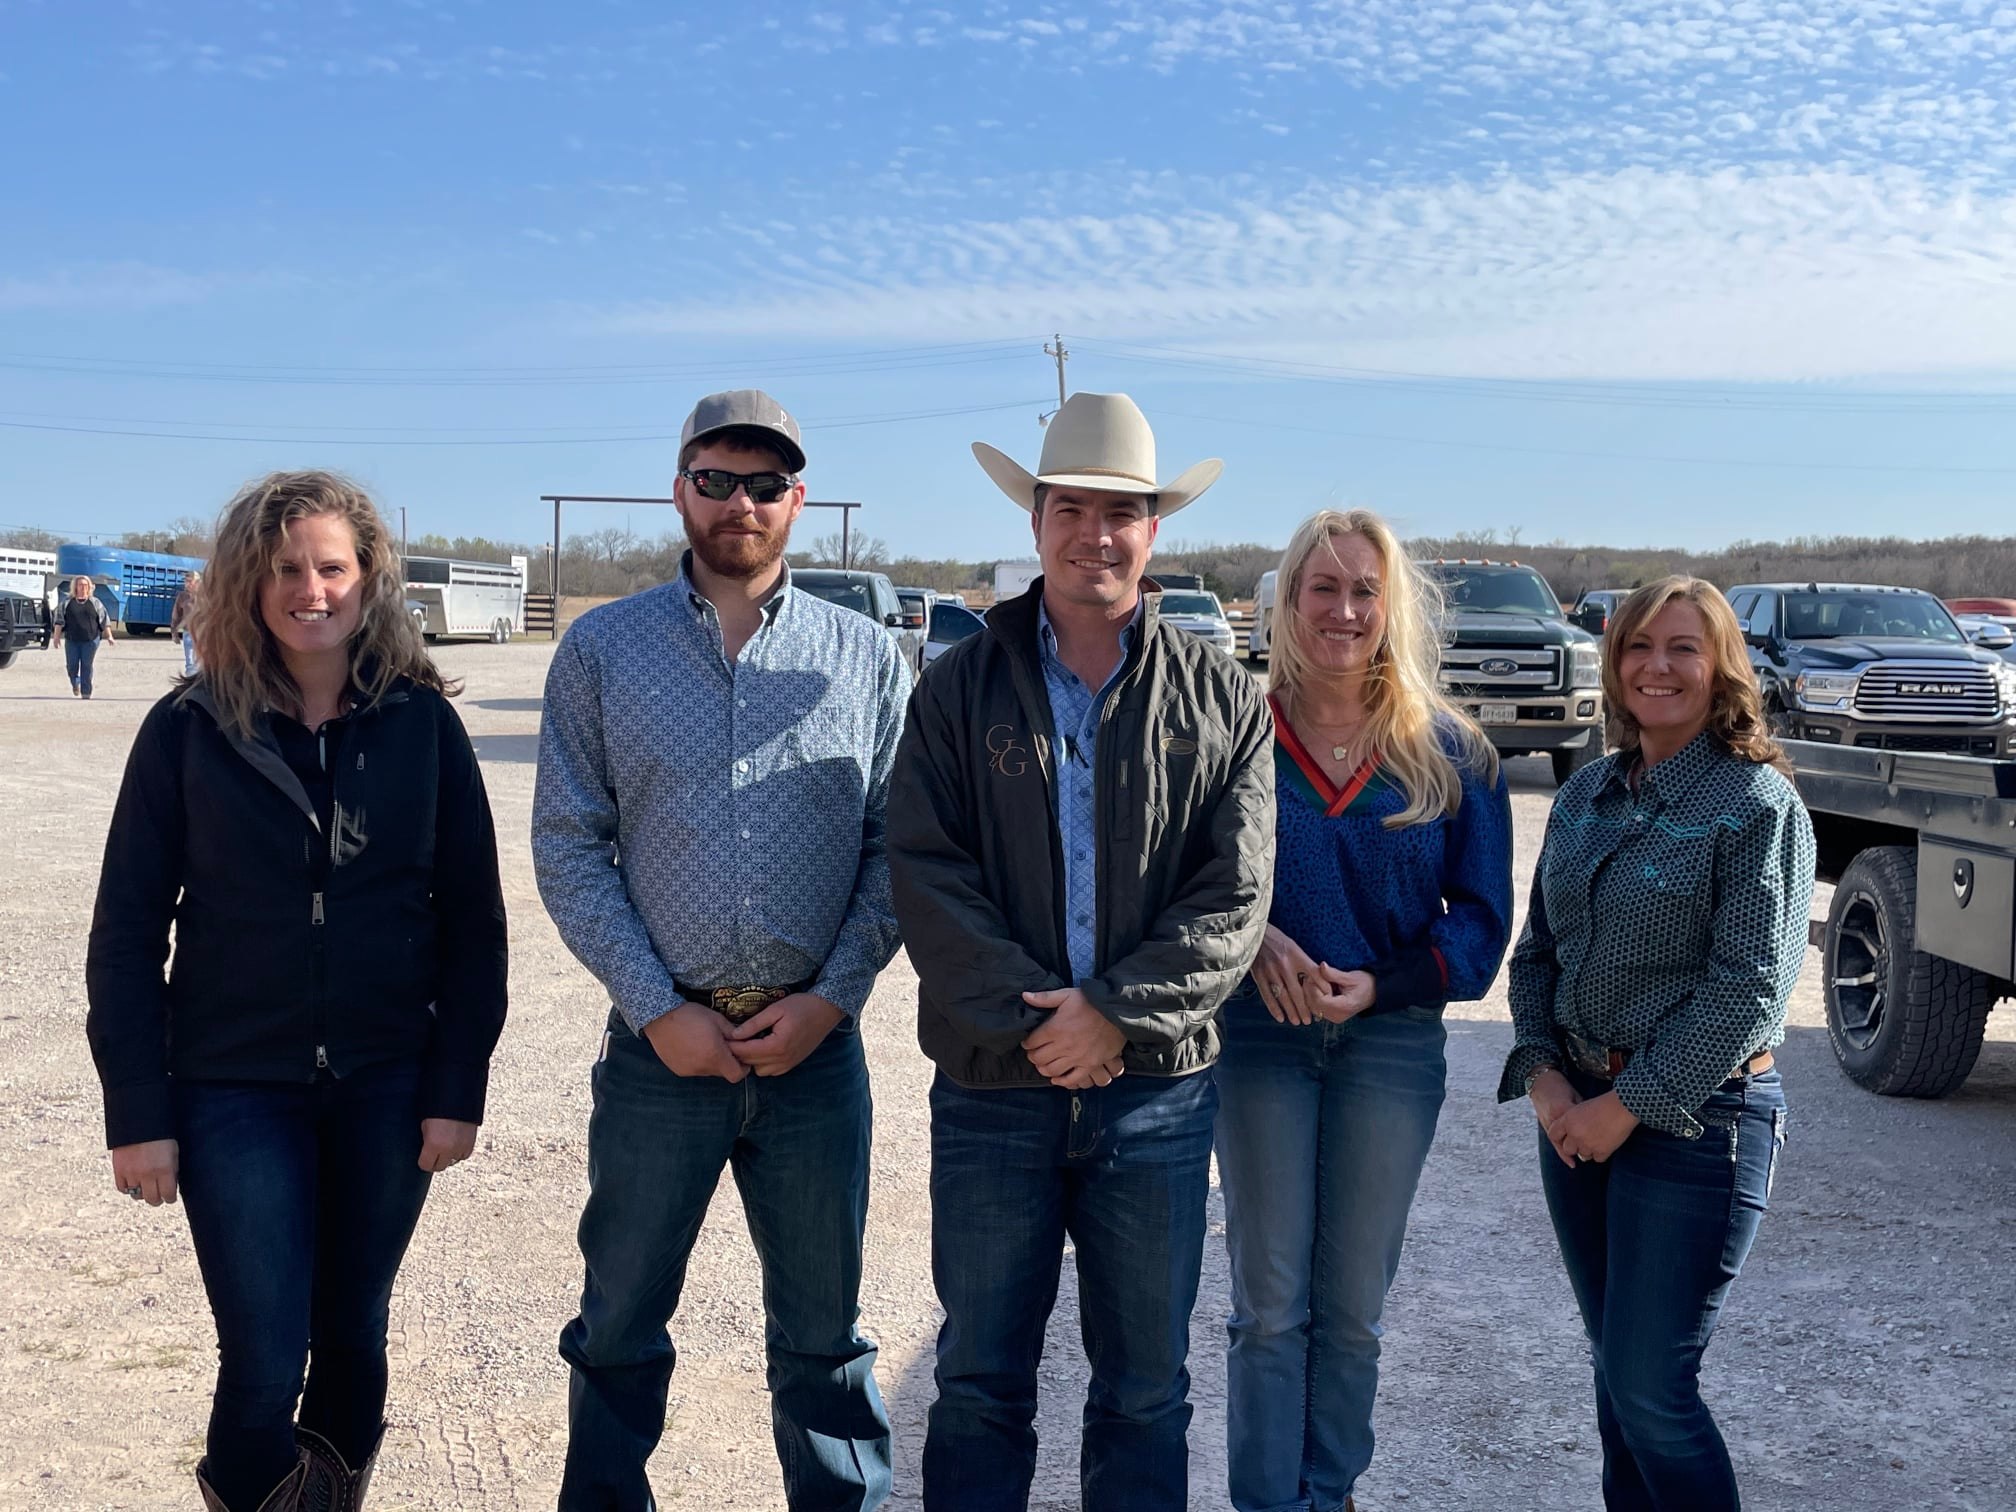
x=316, y=916
x=321, y=1057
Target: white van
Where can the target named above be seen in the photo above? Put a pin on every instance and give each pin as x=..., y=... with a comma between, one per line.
x=1263, y=618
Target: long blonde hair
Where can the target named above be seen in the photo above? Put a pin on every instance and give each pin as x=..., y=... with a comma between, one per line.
x=241, y=666
x=1407, y=716
x=1735, y=708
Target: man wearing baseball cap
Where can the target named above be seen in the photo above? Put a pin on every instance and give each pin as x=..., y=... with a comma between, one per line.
x=1081, y=842
x=707, y=832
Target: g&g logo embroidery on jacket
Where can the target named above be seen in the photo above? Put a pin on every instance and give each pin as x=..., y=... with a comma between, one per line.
x=1005, y=755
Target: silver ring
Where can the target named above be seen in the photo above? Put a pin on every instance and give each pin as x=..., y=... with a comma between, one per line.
x=132, y=1191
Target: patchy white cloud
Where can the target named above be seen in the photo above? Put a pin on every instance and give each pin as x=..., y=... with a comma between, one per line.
x=1637, y=274
x=113, y=286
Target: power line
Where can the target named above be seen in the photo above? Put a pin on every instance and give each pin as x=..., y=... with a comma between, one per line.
x=804, y=366
x=841, y=423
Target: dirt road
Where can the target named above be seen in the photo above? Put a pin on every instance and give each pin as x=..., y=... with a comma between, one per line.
x=1867, y=1359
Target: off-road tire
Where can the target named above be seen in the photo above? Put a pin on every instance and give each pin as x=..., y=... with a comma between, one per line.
x=1569, y=761
x=1902, y=1023
x=7, y=659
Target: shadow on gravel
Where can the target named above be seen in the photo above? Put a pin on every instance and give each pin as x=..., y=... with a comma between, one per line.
x=519, y=748
x=509, y=705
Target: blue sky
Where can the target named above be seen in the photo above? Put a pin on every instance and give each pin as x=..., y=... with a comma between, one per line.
x=1671, y=272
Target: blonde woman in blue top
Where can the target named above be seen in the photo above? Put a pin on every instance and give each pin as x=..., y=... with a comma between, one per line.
x=1667, y=926
x=1392, y=898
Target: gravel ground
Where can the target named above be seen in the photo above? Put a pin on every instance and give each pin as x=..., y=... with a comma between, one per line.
x=1862, y=1363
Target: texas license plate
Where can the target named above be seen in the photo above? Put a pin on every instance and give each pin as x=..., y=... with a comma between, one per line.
x=1497, y=713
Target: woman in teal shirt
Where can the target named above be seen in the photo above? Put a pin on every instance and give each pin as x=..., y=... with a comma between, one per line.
x=1666, y=928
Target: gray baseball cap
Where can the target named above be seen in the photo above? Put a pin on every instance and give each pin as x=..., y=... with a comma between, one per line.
x=745, y=408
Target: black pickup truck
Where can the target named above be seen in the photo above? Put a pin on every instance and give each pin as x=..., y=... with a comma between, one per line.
x=1512, y=661
x=1920, y=940
x=1885, y=669
x=24, y=624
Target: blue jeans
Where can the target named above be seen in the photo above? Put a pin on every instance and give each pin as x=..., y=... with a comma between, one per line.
x=188, y=654
x=1321, y=1141
x=77, y=658
x=798, y=1145
x=1124, y=1172
x=1652, y=1238
x=301, y=1198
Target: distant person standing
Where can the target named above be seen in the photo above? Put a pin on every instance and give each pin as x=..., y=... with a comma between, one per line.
x=306, y=821
x=80, y=625
x=182, y=618
x=707, y=832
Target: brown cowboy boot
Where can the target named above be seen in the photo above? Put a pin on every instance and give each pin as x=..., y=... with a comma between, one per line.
x=285, y=1497
x=332, y=1485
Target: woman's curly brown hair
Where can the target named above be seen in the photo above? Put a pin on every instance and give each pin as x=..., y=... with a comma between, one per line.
x=241, y=663
x=1735, y=708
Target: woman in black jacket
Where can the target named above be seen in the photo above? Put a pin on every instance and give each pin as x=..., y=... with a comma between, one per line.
x=307, y=816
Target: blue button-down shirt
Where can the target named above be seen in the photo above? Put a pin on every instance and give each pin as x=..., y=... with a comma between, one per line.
x=1074, y=712
x=719, y=823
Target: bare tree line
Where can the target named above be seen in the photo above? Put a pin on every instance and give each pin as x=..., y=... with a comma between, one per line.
x=615, y=560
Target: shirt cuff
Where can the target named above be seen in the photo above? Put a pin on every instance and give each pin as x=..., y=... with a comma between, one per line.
x=844, y=991
x=453, y=1089
x=139, y=1112
x=639, y=1011
x=1656, y=1108
x=1520, y=1067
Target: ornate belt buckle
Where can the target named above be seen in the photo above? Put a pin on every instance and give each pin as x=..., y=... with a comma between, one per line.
x=740, y=1004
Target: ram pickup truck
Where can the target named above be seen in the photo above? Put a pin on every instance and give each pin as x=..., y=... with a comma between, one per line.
x=1514, y=663
x=1919, y=941
x=1882, y=669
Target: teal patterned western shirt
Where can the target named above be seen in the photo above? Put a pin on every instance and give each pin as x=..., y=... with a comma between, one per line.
x=1670, y=922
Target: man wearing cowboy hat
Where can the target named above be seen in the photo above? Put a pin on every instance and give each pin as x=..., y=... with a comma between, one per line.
x=1081, y=846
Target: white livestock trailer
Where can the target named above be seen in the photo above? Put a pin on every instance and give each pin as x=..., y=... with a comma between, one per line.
x=450, y=597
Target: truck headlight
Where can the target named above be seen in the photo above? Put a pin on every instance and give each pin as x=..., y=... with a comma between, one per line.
x=2005, y=685
x=1825, y=691
x=1585, y=667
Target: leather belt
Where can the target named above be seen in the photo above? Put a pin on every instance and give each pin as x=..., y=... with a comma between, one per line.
x=737, y=1004
x=1592, y=1059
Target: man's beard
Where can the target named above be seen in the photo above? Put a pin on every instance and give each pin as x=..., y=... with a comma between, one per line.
x=735, y=555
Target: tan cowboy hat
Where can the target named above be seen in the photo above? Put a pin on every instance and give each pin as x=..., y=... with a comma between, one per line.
x=1098, y=441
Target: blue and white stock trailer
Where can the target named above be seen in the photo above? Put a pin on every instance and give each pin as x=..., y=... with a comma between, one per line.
x=137, y=588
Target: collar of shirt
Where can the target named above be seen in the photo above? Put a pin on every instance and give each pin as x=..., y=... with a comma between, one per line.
x=1053, y=664
x=704, y=608
x=1669, y=780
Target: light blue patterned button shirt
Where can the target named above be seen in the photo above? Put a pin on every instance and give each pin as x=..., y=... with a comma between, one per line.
x=1075, y=710
x=718, y=823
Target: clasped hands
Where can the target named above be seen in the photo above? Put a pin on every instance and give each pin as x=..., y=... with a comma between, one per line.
x=1579, y=1129
x=1077, y=1046
x=1298, y=990
x=693, y=1040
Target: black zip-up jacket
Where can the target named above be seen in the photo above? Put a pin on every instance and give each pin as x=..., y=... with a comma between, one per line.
x=1184, y=853
x=299, y=946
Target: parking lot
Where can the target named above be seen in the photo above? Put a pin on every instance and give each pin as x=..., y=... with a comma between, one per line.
x=1865, y=1360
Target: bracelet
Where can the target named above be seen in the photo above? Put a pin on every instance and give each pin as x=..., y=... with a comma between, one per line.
x=1536, y=1073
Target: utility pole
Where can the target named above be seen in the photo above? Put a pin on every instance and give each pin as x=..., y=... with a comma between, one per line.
x=1055, y=348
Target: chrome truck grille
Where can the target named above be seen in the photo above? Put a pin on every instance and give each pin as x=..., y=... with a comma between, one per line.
x=1928, y=691
x=1488, y=670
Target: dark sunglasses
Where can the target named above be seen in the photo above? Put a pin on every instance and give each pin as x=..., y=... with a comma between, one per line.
x=719, y=483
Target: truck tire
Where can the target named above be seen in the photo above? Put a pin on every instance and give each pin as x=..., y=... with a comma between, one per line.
x=1569, y=761
x=1902, y=1023
x=7, y=659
